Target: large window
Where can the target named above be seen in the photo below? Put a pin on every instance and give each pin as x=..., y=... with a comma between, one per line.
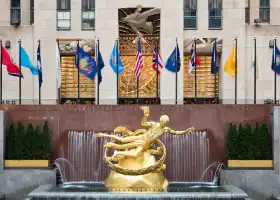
x=31, y=11
x=264, y=11
x=88, y=14
x=205, y=84
x=15, y=17
x=247, y=11
x=215, y=14
x=63, y=14
x=190, y=14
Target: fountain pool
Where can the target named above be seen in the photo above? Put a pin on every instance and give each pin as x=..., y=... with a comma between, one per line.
x=176, y=190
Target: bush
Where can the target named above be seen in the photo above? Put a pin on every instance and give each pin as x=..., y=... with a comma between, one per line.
x=247, y=143
x=29, y=144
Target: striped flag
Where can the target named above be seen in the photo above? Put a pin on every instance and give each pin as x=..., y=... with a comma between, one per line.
x=157, y=60
x=139, y=61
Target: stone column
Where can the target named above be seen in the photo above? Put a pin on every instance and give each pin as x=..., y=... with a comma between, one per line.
x=276, y=138
x=3, y=127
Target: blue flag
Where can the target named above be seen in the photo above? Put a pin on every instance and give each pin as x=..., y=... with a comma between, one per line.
x=173, y=63
x=275, y=64
x=101, y=66
x=114, y=59
x=26, y=62
x=86, y=63
x=214, y=60
x=39, y=66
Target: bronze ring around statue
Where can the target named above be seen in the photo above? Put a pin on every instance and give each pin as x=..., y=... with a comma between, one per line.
x=158, y=166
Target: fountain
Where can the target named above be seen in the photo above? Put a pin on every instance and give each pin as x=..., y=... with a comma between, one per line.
x=136, y=166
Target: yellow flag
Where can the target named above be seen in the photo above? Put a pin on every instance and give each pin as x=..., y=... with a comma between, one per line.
x=229, y=66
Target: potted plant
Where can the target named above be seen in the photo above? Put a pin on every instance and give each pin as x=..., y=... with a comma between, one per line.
x=28, y=147
x=248, y=147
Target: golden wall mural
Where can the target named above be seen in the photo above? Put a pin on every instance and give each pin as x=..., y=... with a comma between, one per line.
x=144, y=24
x=205, y=80
x=69, y=72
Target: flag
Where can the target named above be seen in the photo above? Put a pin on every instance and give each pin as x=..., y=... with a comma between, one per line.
x=192, y=59
x=85, y=63
x=101, y=66
x=157, y=60
x=26, y=62
x=230, y=63
x=58, y=69
x=139, y=61
x=254, y=63
x=214, y=60
x=275, y=64
x=114, y=59
x=39, y=66
x=174, y=60
x=12, y=69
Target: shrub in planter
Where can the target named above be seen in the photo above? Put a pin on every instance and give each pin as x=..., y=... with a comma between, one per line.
x=27, y=144
x=248, y=144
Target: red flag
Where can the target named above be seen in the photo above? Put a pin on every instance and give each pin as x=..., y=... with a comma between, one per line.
x=12, y=68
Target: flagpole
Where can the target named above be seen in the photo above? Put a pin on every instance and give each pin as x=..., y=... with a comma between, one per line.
x=19, y=46
x=98, y=69
x=117, y=70
x=235, y=69
x=59, y=93
x=176, y=68
x=195, y=73
x=39, y=46
x=78, y=65
x=255, y=70
x=1, y=75
x=215, y=76
x=275, y=74
x=156, y=44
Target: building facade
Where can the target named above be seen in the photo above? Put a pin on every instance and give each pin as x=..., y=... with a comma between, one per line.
x=204, y=20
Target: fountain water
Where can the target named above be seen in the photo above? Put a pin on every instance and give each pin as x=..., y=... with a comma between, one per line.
x=189, y=152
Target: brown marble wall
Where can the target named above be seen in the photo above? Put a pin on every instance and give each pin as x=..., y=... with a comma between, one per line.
x=212, y=118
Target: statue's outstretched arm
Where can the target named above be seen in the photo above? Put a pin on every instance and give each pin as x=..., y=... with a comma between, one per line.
x=171, y=131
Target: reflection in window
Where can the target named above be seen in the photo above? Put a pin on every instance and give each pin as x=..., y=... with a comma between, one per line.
x=247, y=11
x=88, y=14
x=264, y=11
x=63, y=14
x=215, y=14
x=190, y=14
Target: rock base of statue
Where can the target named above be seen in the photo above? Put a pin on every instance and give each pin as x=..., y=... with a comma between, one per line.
x=151, y=182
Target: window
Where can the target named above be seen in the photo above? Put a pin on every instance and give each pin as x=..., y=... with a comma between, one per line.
x=190, y=12
x=264, y=11
x=215, y=14
x=247, y=11
x=15, y=17
x=31, y=11
x=63, y=14
x=88, y=14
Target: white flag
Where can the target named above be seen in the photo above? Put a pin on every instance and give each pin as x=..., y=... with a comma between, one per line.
x=58, y=69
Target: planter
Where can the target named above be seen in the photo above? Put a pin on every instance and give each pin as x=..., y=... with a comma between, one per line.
x=250, y=163
x=27, y=163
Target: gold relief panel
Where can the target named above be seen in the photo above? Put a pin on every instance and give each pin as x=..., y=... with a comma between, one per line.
x=128, y=81
x=204, y=79
x=69, y=80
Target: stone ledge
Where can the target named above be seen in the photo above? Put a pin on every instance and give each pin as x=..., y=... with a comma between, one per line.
x=17, y=184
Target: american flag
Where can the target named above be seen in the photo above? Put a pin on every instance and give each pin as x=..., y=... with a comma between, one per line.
x=139, y=61
x=157, y=60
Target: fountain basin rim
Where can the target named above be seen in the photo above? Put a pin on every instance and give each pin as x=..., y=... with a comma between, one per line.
x=232, y=192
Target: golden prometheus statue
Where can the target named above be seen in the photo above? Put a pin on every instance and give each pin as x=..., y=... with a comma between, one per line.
x=134, y=166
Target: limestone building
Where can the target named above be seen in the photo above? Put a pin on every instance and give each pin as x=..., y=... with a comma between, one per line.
x=30, y=20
